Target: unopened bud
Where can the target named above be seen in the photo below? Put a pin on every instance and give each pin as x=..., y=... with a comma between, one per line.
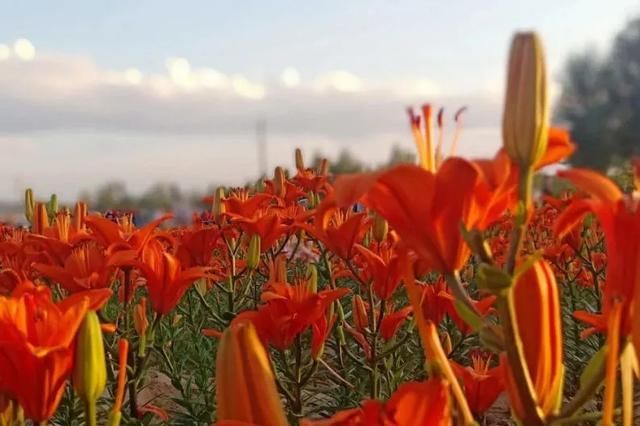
x=359, y=312
x=525, y=122
x=79, y=213
x=445, y=340
x=323, y=168
x=246, y=391
x=29, y=205
x=52, y=206
x=141, y=323
x=253, y=252
x=280, y=272
x=299, y=159
x=201, y=287
x=90, y=371
x=279, y=182
x=312, y=277
x=218, y=202
x=40, y=219
x=380, y=228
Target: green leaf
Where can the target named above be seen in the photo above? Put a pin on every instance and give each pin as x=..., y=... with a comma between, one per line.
x=493, y=279
x=472, y=319
x=594, y=367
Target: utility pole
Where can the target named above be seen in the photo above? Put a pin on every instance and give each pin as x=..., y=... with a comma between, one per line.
x=261, y=141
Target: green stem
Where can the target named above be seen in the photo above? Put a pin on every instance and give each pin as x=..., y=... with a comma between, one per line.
x=90, y=413
x=587, y=417
x=455, y=284
x=506, y=310
x=374, y=391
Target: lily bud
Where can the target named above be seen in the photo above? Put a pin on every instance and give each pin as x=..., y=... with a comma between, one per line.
x=245, y=386
x=299, y=159
x=280, y=270
x=323, y=168
x=79, y=213
x=380, y=228
x=253, y=252
x=90, y=371
x=525, y=122
x=537, y=309
x=201, y=287
x=141, y=323
x=52, y=206
x=218, y=202
x=279, y=182
x=312, y=277
x=359, y=312
x=445, y=340
x=29, y=205
x=40, y=219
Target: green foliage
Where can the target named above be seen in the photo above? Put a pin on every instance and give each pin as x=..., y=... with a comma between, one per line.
x=600, y=101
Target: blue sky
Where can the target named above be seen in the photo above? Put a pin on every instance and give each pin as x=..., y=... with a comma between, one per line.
x=145, y=91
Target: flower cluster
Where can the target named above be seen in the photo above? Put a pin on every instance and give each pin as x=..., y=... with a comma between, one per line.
x=415, y=295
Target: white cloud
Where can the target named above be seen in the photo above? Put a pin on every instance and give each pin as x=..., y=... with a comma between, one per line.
x=24, y=49
x=5, y=52
x=246, y=88
x=290, y=77
x=180, y=71
x=80, y=119
x=342, y=81
x=421, y=87
x=209, y=78
x=133, y=76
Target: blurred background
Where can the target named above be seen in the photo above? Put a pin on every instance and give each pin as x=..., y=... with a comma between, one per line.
x=148, y=105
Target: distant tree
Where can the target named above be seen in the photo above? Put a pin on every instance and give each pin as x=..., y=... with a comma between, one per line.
x=346, y=163
x=161, y=196
x=400, y=155
x=601, y=101
x=111, y=195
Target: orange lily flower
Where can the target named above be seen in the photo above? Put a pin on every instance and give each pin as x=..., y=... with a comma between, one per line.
x=15, y=259
x=482, y=385
x=167, y=281
x=392, y=322
x=121, y=236
x=86, y=267
x=432, y=304
x=384, y=268
x=426, y=209
x=426, y=206
x=619, y=217
x=320, y=330
x=241, y=203
x=289, y=310
x=285, y=191
x=338, y=229
x=425, y=403
x=196, y=247
x=267, y=226
x=537, y=308
x=36, y=350
x=58, y=240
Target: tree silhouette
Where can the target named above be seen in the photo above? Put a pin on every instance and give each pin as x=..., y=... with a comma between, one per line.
x=601, y=101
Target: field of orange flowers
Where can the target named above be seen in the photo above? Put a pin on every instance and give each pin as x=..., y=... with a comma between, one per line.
x=442, y=293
